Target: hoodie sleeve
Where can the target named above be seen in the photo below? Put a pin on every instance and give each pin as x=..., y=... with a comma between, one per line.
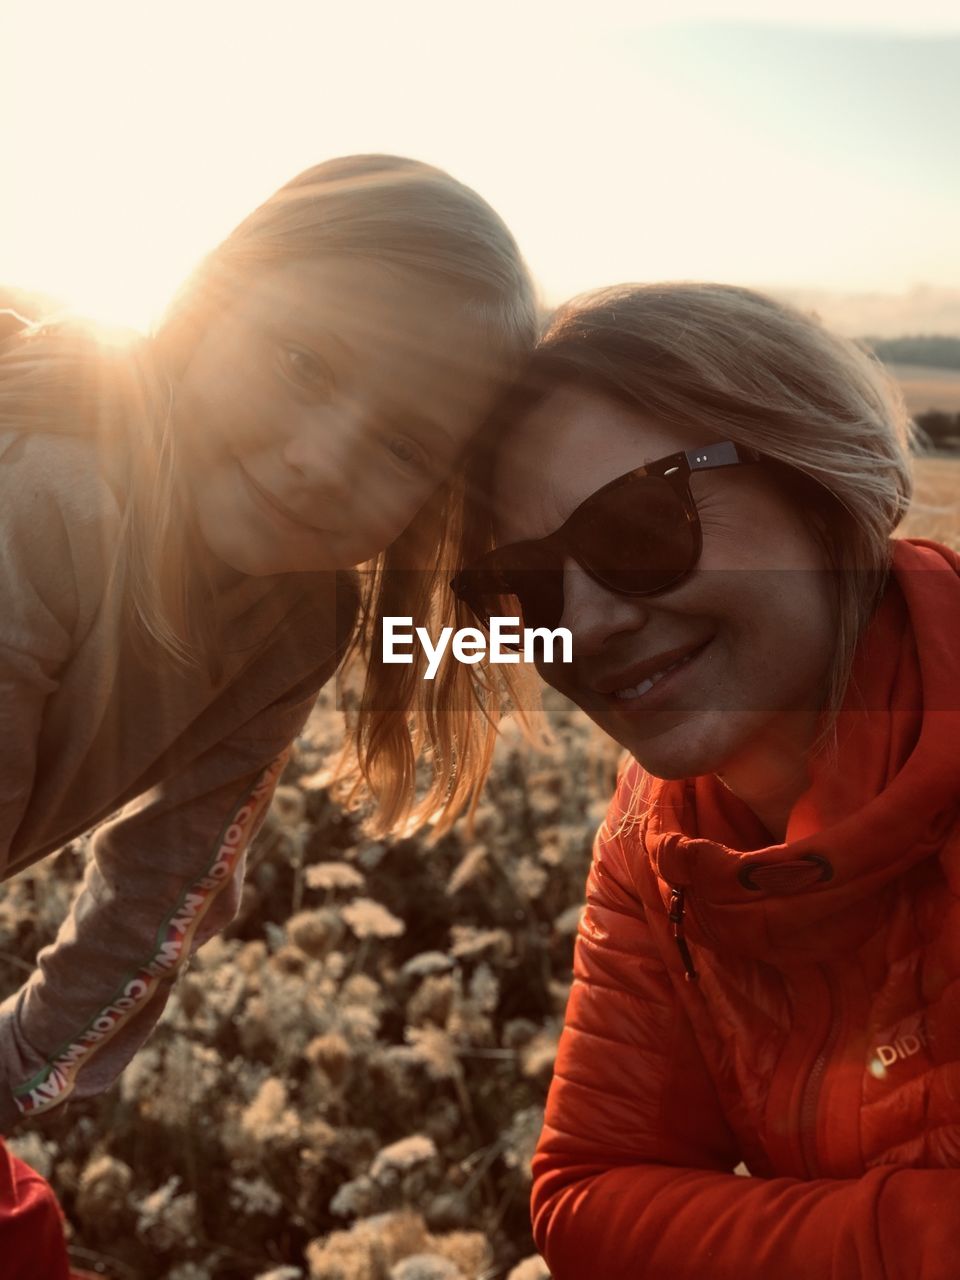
x=40, y=608
x=164, y=876
x=633, y=1171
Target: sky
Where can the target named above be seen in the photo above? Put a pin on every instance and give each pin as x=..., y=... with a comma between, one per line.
x=801, y=146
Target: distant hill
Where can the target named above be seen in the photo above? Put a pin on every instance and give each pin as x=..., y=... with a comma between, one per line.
x=933, y=351
x=924, y=309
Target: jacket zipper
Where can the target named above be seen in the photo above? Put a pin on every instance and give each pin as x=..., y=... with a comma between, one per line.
x=814, y=1084
x=677, y=908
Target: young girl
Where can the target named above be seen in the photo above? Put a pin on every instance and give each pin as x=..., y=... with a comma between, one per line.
x=172, y=517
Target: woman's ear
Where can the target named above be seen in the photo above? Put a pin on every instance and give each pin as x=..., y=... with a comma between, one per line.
x=826, y=532
x=821, y=512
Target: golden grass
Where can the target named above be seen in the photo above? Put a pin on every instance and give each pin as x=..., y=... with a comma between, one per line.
x=935, y=512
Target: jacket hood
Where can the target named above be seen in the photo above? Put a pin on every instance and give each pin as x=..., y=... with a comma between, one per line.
x=884, y=800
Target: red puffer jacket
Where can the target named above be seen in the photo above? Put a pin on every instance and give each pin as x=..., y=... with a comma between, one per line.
x=819, y=1040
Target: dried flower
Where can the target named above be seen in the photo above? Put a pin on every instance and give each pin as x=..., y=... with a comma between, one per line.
x=330, y=1052
x=432, y=1001
x=369, y=919
x=254, y=1195
x=402, y=1155
x=358, y=1022
x=35, y=1151
x=520, y=1140
x=529, y=879
x=288, y=806
x=559, y=995
x=471, y=865
x=436, y=1050
x=103, y=1192
x=468, y=1250
x=426, y=963
x=470, y=943
x=357, y=1198
x=188, y=1271
x=362, y=989
x=165, y=1219
x=539, y=1054
x=333, y=875
x=518, y=1031
x=532, y=1268
x=426, y=1266
x=568, y=922
x=252, y=956
x=542, y=799
x=368, y=1248
x=314, y=931
x=268, y=1118
x=485, y=988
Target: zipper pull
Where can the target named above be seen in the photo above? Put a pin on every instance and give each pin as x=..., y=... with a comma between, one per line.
x=677, y=909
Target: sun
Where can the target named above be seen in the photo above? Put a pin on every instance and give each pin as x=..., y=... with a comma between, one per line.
x=113, y=262
x=114, y=294
x=114, y=305
x=103, y=288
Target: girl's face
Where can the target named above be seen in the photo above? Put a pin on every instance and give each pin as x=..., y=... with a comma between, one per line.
x=751, y=627
x=321, y=411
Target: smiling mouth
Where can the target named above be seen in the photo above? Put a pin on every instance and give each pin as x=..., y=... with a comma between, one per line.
x=266, y=501
x=631, y=694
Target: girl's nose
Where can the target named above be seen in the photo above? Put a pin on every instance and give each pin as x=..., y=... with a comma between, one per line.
x=325, y=455
x=593, y=613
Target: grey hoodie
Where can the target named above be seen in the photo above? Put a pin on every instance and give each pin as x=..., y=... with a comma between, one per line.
x=175, y=771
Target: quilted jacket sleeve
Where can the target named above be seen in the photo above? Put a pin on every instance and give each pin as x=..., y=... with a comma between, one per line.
x=632, y=1175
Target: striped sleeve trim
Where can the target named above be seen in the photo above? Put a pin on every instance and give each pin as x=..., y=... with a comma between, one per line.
x=55, y=1081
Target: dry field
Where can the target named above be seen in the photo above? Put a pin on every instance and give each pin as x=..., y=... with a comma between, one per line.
x=935, y=512
x=926, y=389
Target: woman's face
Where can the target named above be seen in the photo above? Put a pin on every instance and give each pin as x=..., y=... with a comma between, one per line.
x=321, y=412
x=752, y=625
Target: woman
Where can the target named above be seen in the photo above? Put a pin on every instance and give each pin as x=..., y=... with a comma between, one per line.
x=702, y=486
x=173, y=519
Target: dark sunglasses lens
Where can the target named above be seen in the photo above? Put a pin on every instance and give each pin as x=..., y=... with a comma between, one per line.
x=528, y=587
x=637, y=538
x=539, y=595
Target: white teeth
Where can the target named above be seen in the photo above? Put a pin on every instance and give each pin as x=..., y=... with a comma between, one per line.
x=638, y=690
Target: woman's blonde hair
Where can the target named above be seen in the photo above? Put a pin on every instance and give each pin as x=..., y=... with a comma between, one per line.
x=742, y=366
x=58, y=376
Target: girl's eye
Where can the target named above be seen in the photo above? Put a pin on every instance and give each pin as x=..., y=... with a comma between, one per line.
x=408, y=453
x=307, y=370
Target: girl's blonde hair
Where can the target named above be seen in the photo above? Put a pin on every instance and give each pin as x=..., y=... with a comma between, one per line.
x=59, y=376
x=741, y=366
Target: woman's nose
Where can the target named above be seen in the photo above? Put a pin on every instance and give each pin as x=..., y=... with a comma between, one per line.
x=593, y=613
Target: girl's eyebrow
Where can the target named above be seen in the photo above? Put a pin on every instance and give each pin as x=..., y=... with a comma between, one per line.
x=294, y=326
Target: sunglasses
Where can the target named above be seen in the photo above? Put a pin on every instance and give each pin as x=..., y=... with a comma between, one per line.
x=639, y=535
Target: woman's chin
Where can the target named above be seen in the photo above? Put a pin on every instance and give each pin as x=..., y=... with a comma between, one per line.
x=690, y=745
